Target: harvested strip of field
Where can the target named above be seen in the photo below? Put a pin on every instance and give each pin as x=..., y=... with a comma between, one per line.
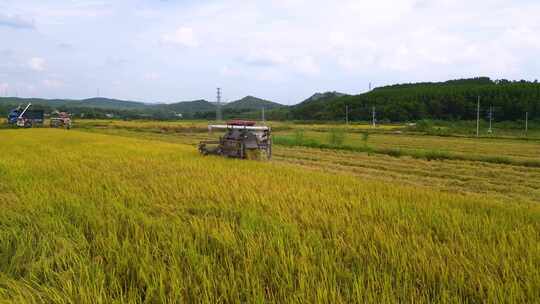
x=511, y=183
x=513, y=149
x=92, y=218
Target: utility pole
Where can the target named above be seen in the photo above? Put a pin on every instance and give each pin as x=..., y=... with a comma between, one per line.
x=263, y=118
x=490, y=119
x=373, y=117
x=347, y=114
x=218, y=109
x=370, y=86
x=478, y=118
x=526, y=122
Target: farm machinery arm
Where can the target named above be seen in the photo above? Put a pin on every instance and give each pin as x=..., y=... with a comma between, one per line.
x=21, y=120
x=24, y=111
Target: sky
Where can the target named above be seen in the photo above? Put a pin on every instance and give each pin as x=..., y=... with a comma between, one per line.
x=284, y=51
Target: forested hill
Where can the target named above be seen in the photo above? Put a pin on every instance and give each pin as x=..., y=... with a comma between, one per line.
x=252, y=103
x=455, y=99
x=313, y=105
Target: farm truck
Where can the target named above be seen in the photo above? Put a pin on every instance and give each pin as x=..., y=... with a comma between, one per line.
x=24, y=117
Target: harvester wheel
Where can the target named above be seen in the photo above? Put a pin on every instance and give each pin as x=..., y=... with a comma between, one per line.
x=202, y=150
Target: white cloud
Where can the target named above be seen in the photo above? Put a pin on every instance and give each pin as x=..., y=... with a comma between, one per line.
x=307, y=66
x=275, y=57
x=252, y=45
x=16, y=22
x=228, y=71
x=53, y=83
x=152, y=76
x=3, y=88
x=182, y=36
x=37, y=64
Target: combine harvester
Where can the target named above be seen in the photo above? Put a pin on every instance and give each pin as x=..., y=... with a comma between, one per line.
x=242, y=139
x=60, y=120
x=25, y=118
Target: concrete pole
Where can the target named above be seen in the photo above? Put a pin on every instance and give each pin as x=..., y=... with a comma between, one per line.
x=490, y=119
x=526, y=122
x=478, y=118
x=373, y=116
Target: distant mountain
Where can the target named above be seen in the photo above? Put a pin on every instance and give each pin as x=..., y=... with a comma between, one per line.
x=97, y=102
x=35, y=101
x=323, y=96
x=194, y=106
x=108, y=103
x=248, y=103
x=251, y=103
x=187, y=108
x=311, y=107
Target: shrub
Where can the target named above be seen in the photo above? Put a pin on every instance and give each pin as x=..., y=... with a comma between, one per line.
x=336, y=137
x=365, y=137
x=424, y=125
x=299, y=137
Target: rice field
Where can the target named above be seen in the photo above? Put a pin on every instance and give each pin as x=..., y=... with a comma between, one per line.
x=384, y=137
x=512, y=148
x=128, y=212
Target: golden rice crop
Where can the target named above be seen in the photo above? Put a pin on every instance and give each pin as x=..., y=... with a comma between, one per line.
x=93, y=218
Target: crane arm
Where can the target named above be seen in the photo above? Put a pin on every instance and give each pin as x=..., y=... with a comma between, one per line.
x=25, y=109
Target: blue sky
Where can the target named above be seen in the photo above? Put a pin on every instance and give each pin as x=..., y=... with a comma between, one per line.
x=169, y=51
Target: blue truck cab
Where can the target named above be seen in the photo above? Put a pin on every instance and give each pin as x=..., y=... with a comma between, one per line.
x=13, y=115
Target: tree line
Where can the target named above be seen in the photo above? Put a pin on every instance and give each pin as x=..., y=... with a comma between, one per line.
x=451, y=100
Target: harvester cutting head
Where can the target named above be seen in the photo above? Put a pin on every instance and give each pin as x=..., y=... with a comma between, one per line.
x=242, y=139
